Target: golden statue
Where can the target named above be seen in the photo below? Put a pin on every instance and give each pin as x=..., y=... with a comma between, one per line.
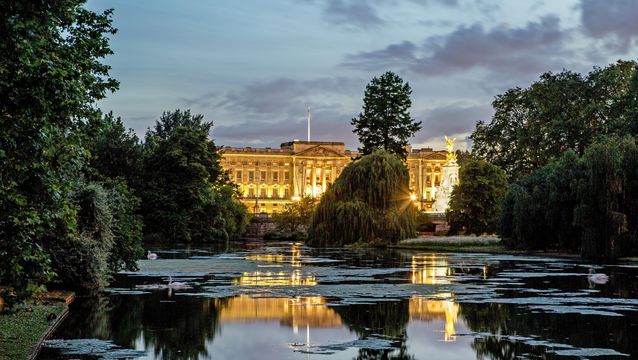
x=451, y=155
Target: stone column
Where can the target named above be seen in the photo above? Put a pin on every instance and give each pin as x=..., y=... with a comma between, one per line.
x=323, y=178
x=313, y=173
x=295, y=184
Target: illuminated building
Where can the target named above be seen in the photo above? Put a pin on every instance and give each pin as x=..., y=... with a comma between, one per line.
x=269, y=178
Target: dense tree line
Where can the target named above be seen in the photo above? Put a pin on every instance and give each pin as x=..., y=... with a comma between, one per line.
x=561, y=111
x=78, y=192
x=568, y=145
x=588, y=202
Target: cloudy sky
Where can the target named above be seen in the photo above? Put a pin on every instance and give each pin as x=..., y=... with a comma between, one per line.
x=252, y=66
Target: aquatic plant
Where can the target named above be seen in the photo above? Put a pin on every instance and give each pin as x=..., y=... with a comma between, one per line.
x=369, y=202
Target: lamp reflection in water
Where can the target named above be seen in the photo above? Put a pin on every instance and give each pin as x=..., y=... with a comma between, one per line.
x=428, y=310
x=430, y=270
x=294, y=259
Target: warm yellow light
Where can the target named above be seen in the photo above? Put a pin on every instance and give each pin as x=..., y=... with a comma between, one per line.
x=412, y=197
x=296, y=198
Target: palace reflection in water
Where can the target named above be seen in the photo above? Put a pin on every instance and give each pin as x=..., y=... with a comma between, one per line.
x=172, y=326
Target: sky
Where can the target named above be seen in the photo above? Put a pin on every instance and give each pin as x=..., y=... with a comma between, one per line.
x=252, y=67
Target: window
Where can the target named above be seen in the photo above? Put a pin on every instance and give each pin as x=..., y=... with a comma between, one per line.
x=286, y=193
x=286, y=176
x=262, y=177
x=436, y=180
x=251, y=192
x=275, y=177
x=251, y=177
x=238, y=176
x=263, y=193
x=428, y=181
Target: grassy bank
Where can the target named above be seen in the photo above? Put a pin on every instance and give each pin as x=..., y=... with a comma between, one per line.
x=22, y=331
x=454, y=243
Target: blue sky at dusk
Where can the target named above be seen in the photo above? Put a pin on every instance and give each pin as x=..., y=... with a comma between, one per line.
x=252, y=67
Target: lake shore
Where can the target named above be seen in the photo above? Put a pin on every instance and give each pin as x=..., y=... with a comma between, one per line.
x=475, y=244
x=22, y=333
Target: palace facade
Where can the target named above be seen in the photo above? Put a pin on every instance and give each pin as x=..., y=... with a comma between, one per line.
x=269, y=178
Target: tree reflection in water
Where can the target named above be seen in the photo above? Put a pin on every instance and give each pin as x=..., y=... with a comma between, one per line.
x=573, y=329
x=171, y=328
x=385, y=318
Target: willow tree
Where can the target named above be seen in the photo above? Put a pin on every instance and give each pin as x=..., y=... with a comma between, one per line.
x=369, y=202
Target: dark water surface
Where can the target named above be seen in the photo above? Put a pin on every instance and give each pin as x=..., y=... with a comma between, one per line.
x=291, y=302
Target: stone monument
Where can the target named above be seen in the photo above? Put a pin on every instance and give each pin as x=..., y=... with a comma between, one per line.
x=449, y=178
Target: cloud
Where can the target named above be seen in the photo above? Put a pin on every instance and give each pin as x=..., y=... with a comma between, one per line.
x=394, y=55
x=362, y=14
x=270, y=112
x=535, y=48
x=453, y=119
x=326, y=125
x=365, y=14
x=612, y=18
x=276, y=96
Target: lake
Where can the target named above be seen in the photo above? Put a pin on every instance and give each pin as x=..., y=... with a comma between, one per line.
x=288, y=301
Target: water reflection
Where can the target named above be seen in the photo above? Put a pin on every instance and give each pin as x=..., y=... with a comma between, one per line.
x=345, y=302
x=269, y=278
x=295, y=313
x=427, y=310
x=430, y=269
x=294, y=259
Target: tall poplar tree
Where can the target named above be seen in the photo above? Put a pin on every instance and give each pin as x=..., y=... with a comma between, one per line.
x=385, y=122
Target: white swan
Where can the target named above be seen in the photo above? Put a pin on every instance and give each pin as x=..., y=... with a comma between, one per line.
x=597, y=278
x=151, y=256
x=177, y=284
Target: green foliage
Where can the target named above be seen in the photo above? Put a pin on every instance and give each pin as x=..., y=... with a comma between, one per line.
x=294, y=215
x=587, y=203
x=385, y=122
x=476, y=200
x=50, y=77
x=116, y=162
x=114, y=151
x=369, y=201
x=562, y=111
x=126, y=226
x=81, y=260
x=538, y=211
x=187, y=196
x=608, y=209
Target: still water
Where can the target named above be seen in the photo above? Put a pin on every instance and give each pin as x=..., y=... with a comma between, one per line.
x=287, y=301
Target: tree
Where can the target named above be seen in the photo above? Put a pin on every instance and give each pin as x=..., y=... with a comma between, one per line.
x=368, y=203
x=587, y=203
x=187, y=195
x=385, y=122
x=296, y=214
x=562, y=111
x=608, y=210
x=51, y=76
x=476, y=200
x=115, y=163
